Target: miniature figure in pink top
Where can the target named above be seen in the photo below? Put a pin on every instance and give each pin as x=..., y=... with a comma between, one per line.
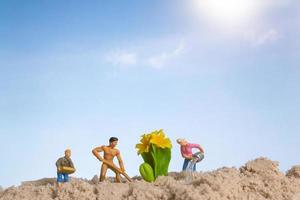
x=186, y=149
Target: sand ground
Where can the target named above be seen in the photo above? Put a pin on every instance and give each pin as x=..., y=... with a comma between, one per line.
x=258, y=179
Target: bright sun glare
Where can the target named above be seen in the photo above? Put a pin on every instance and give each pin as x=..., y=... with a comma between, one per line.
x=228, y=11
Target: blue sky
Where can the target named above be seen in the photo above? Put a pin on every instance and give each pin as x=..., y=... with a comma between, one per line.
x=72, y=74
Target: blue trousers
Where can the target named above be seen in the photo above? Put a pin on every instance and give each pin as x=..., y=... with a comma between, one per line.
x=62, y=177
x=186, y=163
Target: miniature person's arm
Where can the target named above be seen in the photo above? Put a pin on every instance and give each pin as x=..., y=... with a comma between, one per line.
x=97, y=155
x=58, y=164
x=201, y=149
x=198, y=147
x=120, y=161
x=71, y=163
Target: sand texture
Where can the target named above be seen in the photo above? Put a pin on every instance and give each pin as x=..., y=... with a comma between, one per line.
x=258, y=179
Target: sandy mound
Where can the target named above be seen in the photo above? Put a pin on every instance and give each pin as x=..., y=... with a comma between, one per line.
x=258, y=179
x=294, y=172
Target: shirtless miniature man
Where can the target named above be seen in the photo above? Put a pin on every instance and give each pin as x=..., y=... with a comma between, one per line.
x=107, y=160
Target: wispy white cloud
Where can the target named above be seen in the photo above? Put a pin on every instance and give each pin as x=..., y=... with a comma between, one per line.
x=161, y=59
x=122, y=58
x=156, y=55
x=263, y=37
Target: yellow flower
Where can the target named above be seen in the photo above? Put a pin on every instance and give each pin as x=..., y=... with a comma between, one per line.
x=158, y=138
x=144, y=145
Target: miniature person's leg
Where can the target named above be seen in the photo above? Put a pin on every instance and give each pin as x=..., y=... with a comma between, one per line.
x=185, y=164
x=118, y=177
x=103, y=172
x=59, y=180
x=194, y=167
x=66, y=177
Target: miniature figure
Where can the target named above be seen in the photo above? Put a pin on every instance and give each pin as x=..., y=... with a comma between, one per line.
x=190, y=159
x=65, y=167
x=107, y=160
